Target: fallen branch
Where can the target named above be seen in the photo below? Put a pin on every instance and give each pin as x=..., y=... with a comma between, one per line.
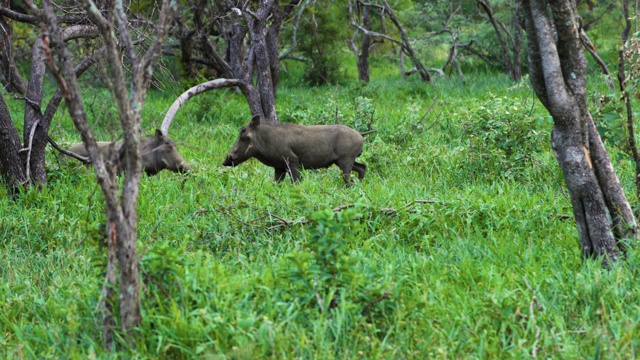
x=367, y=309
x=282, y=222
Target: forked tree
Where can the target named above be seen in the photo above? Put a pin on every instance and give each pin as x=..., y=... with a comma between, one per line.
x=129, y=91
x=239, y=40
x=557, y=69
x=360, y=13
x=22, y=159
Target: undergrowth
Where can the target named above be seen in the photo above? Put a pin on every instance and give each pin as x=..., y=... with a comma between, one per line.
x=459, y=243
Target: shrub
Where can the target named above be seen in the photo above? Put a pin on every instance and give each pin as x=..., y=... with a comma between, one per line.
x=504, y=139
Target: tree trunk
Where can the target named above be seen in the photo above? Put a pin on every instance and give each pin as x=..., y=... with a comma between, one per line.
x=424, y=74
x=263, y=70
x=363, y=57
x=11, y=79
x=11, y=166
x=33, y=123
x=558, y=76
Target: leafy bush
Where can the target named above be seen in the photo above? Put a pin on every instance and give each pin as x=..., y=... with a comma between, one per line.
x=329, y=272
x=504, y=138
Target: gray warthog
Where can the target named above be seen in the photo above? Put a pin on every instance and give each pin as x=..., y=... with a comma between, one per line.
x=158, y=153
x=290, y=147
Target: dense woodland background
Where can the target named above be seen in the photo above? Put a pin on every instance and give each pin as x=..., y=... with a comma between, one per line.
x=459, y=243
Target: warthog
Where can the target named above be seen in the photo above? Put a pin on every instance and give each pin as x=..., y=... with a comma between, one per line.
x=289, y=147
x=158, y=153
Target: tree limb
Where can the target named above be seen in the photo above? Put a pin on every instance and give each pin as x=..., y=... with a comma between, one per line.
x=198, y=89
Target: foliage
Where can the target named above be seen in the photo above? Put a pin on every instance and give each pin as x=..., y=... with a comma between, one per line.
x=321, y=42
x=504, y=138
x=445, y=250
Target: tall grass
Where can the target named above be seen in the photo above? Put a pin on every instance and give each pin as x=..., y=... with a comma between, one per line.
x=437, y=253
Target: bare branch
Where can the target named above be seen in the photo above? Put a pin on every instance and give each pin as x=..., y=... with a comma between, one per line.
x=83, y=159
x=294, y=31
x=33, y=20
x=198, y=89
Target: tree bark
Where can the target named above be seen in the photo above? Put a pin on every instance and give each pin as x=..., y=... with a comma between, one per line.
x=558, y=76
x=10, y=163
x=33, y=116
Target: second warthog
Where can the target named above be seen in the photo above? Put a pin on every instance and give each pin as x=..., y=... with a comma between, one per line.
x=288, y=148
x=158, y=152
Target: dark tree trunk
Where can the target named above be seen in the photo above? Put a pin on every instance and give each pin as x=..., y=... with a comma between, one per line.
x=558, y=76
x=11, y=79
x=186, y=45
x=263, y=68
x=516, y=72
x=363, y=57
x=10, y=164
x=273, y=45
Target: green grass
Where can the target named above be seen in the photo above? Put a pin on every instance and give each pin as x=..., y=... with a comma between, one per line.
x=484, y=266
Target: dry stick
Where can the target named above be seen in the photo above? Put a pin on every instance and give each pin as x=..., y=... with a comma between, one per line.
x=267, y=214
x=228, y=211
x=387, y=211
x=419, y=121
x=28, y=149
x=153, y=280
x=587, y=44
x=318, y=298
x=365, y=311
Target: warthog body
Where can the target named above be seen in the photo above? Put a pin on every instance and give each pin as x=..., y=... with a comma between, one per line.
x=290, y=147
x=157, y=151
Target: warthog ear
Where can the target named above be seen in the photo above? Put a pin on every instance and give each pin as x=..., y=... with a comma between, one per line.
x=159, y=134
x=255, y=121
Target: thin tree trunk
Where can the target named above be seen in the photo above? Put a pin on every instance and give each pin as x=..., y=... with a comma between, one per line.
x=121, y=214
x=625, y=93
x=363, y=57
x=509, y=48
x=12, y=81
x=33, y=116
x=424, y=74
